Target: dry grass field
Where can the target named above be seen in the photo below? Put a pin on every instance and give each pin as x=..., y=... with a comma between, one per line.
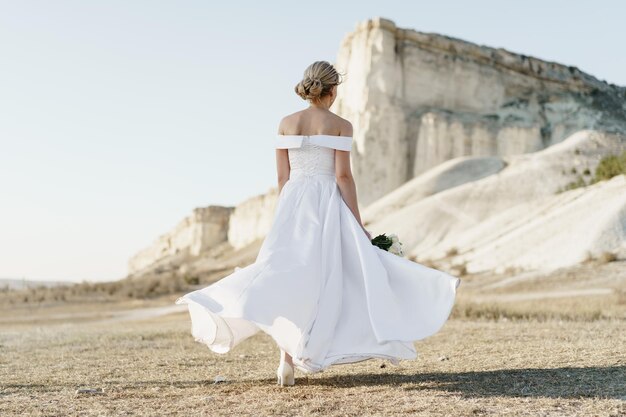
x=532, y=352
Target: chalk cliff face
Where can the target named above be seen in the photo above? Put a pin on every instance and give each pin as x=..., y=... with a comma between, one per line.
x=208, y=227
x=418, y=99
x=204, y=228
x=252, y=219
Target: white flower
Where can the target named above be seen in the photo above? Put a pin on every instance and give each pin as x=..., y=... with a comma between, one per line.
x=393, y=237
x=396, y=249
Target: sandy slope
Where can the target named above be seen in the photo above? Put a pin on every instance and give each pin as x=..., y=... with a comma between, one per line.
x=514, y=217
x=446, y=175
x=546, y=233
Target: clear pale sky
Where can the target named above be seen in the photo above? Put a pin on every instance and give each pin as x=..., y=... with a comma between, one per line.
x=117, y=118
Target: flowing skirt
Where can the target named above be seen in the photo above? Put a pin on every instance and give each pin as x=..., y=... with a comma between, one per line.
x=321, y=290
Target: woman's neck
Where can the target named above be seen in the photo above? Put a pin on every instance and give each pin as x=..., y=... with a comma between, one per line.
x=319, y=106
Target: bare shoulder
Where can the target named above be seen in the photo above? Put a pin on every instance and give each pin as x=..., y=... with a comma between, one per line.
x=345, y=126
x=288, y=122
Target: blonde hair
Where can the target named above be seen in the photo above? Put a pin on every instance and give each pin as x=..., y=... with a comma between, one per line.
x=319, y=78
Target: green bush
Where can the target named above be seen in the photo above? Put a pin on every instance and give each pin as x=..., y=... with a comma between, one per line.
x=580, y=182
x=610, y=166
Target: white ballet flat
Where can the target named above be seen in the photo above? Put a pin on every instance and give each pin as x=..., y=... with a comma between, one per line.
x=285, y=372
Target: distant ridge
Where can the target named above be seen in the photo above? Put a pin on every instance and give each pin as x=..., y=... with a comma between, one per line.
x=20, y=283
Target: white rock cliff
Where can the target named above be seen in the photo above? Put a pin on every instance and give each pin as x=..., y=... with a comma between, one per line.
x=204, y=228
x=450, y=144
x=417, y=99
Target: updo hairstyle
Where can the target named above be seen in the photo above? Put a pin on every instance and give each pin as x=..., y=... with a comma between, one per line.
x=319, y=78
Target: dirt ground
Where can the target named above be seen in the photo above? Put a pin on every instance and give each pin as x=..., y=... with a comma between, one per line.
x=471, y=367
x=511, y=355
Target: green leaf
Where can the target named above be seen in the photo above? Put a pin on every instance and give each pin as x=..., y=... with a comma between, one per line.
x=382, y=241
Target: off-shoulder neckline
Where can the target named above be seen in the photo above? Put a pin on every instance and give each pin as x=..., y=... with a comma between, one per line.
x=332, y=136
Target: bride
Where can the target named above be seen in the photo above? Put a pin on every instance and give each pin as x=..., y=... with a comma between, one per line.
x=319, y=287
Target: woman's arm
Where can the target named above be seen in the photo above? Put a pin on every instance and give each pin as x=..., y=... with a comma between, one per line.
x=347, y=186
x=283, y=168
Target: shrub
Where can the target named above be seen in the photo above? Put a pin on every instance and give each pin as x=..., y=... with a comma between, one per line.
x=606, y=257
x=610, y=166
x=192, y=279
x=460, y=270
x=580, y=182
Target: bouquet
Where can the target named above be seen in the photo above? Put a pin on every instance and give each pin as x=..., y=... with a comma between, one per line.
x=390, y=243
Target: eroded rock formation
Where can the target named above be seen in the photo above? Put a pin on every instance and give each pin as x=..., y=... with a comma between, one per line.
x=252, y=219
x=208, y=227
x=204, y=228
x=417, y=99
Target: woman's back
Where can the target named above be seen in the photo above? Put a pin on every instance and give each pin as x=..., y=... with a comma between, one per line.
x=314, y=135
x=315, y=121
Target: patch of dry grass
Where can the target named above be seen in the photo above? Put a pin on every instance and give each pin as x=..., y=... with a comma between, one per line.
x=471, y=367
x=514, y=345
x=587, y=292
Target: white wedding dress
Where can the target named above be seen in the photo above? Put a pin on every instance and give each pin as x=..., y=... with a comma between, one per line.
x=318, y=286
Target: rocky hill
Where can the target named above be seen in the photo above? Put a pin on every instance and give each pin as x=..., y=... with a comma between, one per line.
x=418, y=99
x=520, y=217
x=463, y=150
